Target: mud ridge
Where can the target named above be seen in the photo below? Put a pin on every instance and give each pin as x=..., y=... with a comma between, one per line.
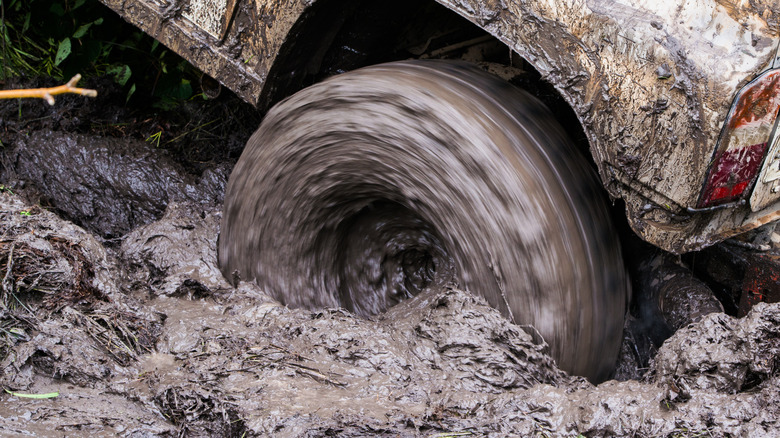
x=233, y=362
x=134, y=326
x=107, y=185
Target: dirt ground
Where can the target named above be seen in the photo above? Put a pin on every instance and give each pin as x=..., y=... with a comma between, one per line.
x=111, y=297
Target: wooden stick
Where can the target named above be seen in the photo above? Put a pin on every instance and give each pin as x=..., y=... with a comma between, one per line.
x=48, y=93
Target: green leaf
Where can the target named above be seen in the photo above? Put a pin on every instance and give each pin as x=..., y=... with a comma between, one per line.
x=155, y=43
x=121, y=73
x=77, y=4
x=16, y=331
x=82, y=30
x=36, y=396
x=130, y=93
x=183, y=91
x=26, y=23
x=57, y=10
x=63, y=50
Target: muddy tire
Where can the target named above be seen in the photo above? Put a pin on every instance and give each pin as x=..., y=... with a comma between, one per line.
x=374, y=185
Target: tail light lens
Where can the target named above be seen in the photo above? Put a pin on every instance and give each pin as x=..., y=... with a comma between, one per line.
x=743, y=142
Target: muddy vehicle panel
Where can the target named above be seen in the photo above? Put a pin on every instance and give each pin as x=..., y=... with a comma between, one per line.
x=651, y=86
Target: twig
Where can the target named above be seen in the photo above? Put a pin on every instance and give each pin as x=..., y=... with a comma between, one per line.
x=48, y=93
x=8, y=286
x=314, y=374
x=197, y=128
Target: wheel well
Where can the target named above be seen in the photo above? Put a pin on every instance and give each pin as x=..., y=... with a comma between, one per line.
x=335, y=36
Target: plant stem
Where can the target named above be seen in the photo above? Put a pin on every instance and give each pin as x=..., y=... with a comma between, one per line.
x=48, y=93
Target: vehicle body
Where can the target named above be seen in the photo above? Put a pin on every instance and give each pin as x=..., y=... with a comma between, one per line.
x=651, y=85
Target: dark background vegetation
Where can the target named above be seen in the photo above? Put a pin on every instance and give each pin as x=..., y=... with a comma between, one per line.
x=64, y=37
x=144, y=89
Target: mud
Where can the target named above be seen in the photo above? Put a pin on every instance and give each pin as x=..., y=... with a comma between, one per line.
x=128, y=318
x=110, y=166
x=146, y=338
x=233, y=362
x=77, y=175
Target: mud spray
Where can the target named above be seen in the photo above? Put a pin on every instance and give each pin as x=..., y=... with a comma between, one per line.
x=377, y=184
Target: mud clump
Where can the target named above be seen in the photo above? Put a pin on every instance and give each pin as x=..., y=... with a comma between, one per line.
x=110, y=165
x=733, y=355
x=213, y=360
x=106, y=185
x=175, y=256
x=65, y=324
x=146, y=338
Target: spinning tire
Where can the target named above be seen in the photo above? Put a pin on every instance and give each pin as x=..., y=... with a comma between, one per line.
x=371, y=186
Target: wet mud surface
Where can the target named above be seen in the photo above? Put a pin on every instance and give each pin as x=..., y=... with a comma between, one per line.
x=160, y=345
x=127, y=317
x=78, y=174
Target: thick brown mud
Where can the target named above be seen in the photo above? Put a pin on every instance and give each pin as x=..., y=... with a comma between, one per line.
x=128, y=318
x=109, y=185
x=148, y=339
x=213, y=360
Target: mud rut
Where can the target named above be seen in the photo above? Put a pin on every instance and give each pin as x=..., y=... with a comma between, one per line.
x=135, y=327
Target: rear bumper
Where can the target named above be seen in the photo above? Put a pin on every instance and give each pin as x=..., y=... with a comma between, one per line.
x=680, y=231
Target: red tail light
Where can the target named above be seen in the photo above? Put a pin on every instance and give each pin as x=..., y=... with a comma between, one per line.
x=743, y=142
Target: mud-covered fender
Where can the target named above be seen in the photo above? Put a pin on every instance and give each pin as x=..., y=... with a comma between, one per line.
x=651, y=82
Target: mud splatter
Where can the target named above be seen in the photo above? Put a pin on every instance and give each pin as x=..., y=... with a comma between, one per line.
x=235, y=362
x=80, y=177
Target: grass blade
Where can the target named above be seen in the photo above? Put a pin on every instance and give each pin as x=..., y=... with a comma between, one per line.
x=35, y=396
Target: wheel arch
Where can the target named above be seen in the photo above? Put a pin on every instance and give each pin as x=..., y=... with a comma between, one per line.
x=318, y=46
x=648, y=92
x=649, y=89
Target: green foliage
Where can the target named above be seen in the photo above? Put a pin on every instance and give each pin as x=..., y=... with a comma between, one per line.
x=63, y=51
x=60, y=38
x=121, y=73
x=155, y=139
